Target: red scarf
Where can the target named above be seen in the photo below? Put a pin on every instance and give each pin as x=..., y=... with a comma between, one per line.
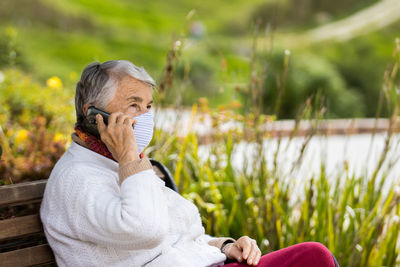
x=95, y=144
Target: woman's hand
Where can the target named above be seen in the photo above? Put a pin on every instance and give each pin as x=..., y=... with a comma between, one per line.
x=244, y=248
x=119, y=136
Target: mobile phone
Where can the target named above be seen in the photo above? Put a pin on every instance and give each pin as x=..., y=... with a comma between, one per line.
x=90, y=124
x=92, y=111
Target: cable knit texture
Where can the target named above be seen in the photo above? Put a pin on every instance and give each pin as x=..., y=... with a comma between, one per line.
x=91, y=220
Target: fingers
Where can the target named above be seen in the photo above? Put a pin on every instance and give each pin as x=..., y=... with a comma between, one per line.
x=103, y=130
x=100, y=123
x=255, y=254
x=129, y=120
x=120, y=119
x=258, y=257
x=251, y=254
x=250, y=251
x=233, y=252
x=112, y=120
x=245, y=244
x=117, y=124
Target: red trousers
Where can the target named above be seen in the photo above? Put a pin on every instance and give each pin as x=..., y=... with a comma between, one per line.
x=308, y=254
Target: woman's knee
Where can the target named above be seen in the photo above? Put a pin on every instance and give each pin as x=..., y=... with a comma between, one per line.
x=307, y=254
x=318, y=254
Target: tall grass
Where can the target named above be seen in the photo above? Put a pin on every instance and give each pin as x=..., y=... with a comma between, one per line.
x=350, y=213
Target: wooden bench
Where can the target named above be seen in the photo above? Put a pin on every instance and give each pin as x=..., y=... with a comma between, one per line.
x=22, y=240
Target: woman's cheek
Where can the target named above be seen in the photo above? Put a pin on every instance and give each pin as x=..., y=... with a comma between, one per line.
x=132, y=111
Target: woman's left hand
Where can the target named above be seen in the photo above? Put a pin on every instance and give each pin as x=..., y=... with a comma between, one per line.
x=244, y=248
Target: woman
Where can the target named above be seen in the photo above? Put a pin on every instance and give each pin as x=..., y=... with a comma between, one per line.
x=104, y=205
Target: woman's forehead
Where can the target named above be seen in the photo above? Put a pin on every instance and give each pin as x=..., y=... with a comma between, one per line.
x=130, y=87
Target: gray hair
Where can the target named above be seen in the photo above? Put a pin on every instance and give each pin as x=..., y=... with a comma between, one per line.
x=99, y=82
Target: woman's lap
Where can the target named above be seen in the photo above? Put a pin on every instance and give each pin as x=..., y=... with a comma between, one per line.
x=308, y=254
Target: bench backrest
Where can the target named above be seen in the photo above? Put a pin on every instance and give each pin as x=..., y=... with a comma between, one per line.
x=22, y=240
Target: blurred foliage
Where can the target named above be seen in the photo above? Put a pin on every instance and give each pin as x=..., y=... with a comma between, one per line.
x=10, y=52
x=34, y=120
x=307, y=75
x=305, y=13
x=29, y=154
x=361, y=64
x=22, y=99
x=61, y=37
x=197, y=76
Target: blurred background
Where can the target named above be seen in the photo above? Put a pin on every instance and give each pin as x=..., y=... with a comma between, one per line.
x=341, y=48
x=277, y=118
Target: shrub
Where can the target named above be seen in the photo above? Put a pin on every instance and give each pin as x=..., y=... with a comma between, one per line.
x=10, y=52
x=361, y=63
x=22, y=100
x=307, y=75
x=33, y=121
x=29, y=155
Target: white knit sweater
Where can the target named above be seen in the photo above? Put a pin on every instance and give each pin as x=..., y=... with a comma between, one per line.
x=91, y=220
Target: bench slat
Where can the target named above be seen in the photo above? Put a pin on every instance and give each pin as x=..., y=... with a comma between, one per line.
x=20, y=226
x=22, y=192
x=27, y=256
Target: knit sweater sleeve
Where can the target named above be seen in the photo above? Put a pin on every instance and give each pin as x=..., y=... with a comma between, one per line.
x=131, y=216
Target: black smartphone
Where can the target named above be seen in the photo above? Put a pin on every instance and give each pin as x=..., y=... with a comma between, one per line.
x=92, y=111
x=90, y=124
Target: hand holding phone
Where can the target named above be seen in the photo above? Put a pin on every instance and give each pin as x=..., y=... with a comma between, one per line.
x=117, y=134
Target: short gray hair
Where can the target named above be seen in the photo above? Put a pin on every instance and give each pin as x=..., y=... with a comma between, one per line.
x=99, y=82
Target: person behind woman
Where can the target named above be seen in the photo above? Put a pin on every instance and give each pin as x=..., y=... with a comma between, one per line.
x=105, y=206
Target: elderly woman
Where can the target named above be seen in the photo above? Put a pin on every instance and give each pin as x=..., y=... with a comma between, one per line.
x=105, y=206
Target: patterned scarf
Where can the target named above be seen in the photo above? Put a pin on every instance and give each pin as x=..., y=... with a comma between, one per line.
x=95, y=144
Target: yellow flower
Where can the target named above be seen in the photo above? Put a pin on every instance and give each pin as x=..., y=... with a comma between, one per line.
x=58, y=137
x=54, y=82
x=21, y=136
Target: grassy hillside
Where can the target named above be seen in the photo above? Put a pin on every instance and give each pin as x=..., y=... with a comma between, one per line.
x=61, y=37
x=58, y=37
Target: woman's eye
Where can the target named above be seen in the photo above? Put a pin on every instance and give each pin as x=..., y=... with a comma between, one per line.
x=134, y=105
x=149, y=107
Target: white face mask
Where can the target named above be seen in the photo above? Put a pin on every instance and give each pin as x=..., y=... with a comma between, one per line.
x=143, y=130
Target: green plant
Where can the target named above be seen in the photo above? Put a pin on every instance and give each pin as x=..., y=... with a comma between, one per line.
x=33, y=121
x=307, y=75
x=10, y=51
x=351, y=214
x=29, y=154
x=23, y=99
